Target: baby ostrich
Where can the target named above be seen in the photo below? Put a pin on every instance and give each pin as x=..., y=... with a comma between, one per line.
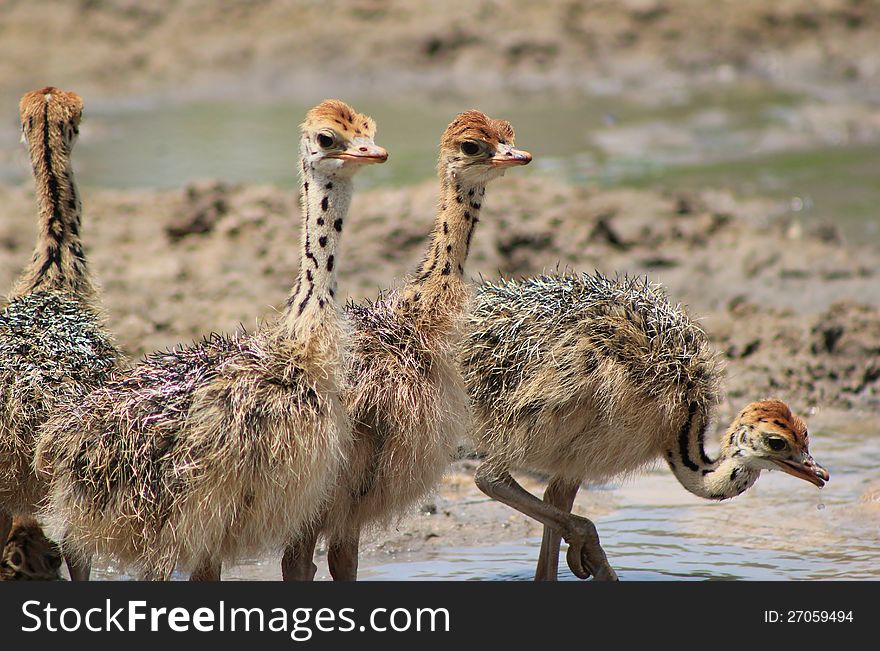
x=404, y=392
x=227, y=447
x=52, y=341
x=584, y=377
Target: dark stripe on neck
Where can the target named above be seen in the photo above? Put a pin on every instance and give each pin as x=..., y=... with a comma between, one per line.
x=701, y=438
x=305, y=301
x=684, y=439
x=53, y=246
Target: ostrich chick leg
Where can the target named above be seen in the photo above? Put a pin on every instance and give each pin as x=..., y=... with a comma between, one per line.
x=560, y=493
x=585, y=554
x=78, y=567
x=5, y=527
x=296, y=564
x=342, y=557
x=206, y=571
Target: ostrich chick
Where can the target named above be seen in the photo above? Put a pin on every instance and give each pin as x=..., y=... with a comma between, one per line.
x=203, y=454
x=404, y=392
x=586, y=378
x=53, y=344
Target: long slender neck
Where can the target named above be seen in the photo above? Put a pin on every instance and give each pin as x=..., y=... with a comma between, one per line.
x=715, y=479
x=58, y=262
x=440, y=277
x=325, y=201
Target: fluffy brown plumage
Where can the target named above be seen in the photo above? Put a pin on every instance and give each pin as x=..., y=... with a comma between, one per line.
x=228, y=447
x=557, y=366
x=198, y=454
x=403, y=391
x=53, y=345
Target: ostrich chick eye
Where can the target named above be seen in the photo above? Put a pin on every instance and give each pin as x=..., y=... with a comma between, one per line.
x=325, y=140
x=776, y=443
x=470, y=148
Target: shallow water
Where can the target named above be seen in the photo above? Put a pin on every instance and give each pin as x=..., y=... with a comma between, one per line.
x=781, y=529
x=748, y=137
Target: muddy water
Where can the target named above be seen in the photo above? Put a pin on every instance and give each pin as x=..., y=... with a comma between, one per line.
x=819, y=160
x=781, y=529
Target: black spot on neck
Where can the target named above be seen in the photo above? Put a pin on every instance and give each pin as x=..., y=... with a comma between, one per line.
x=337, y=225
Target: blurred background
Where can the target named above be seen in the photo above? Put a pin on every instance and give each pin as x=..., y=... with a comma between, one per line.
x=772, y=97
x=729, y=150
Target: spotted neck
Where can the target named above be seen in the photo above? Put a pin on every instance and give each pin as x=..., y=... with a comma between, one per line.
x=325, y=200
x=58, y=262
x=440, y=277
x=719, y=479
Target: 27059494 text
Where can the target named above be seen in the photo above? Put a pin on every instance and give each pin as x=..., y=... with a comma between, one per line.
x=807, y=616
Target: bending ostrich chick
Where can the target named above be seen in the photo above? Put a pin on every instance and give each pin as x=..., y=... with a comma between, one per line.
x=228, y=447
x=404, y=392
x=53, y=344
x=584, y=377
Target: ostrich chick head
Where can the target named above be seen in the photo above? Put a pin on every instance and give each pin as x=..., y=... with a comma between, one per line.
x=476, y=149
x=768, y=436
x=42, y=110
x=338, y=141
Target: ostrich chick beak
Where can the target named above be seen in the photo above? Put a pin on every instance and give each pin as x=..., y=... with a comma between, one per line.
x=364, y=153
x=508, y=157
x=808, y=470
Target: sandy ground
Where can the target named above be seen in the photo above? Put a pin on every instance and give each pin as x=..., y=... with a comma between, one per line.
x=793, y=309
